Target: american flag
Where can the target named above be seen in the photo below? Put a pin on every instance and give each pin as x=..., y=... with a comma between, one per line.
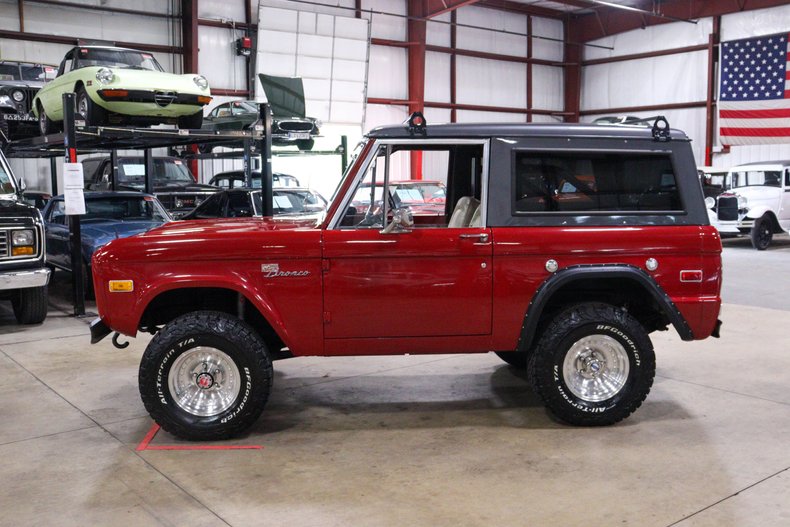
x=754, y=95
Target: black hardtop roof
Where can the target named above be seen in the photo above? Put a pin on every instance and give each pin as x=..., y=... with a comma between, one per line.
x=471, y=130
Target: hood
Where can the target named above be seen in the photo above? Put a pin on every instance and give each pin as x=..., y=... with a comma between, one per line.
x=253, y=239
x=117, y=230
x=22, y=84
x=12, y=207
x=132, y=79
x=284, y=94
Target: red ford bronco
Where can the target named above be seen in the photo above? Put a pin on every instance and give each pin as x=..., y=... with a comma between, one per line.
x=560, y=248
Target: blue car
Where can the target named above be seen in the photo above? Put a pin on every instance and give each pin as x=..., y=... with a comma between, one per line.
x=109, y=215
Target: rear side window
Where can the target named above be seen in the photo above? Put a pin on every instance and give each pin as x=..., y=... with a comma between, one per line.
x=589, y=182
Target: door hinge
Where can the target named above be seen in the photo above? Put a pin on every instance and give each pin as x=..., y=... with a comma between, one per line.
x=325, y=265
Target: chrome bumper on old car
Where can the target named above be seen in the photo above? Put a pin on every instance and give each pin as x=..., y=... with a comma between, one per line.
x=24, y=279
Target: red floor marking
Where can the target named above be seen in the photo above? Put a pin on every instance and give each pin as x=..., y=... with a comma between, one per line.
x=145, y=444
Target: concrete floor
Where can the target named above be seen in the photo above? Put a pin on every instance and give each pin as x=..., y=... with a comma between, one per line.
x=437, y=440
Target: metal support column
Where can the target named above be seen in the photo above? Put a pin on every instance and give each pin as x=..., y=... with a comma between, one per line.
x=113, y=169
x=149, y=171
x=247, y=162
x=75, y=236
x=53, y=176
x=265, y=148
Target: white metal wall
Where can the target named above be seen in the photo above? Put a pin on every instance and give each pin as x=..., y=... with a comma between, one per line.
x=675, y=78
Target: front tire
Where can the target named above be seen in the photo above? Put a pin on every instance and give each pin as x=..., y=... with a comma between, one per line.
x=762, y=233
x=46, y=125
x=92, y=113
x=593, y=366
x=305, y=144
x=206, y=376
x=30, y=305
x=191, y=122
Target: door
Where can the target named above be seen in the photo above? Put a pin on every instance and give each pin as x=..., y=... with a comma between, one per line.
x=434, y=279
x=57, y=231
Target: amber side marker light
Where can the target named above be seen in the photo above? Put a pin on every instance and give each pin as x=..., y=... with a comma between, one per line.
x=202, y=99
x=121, y=286
x=22, y=251
x=115, y=93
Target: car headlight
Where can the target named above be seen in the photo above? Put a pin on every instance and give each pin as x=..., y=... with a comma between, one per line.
x=710, y=202
x=22, y=237
x=105, y=75
x=318, y=123
x=179, y=203
x=200, y=81
x=742, y=202
x=18, y=96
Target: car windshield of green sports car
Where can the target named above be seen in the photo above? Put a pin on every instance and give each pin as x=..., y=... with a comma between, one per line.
x=117, y=58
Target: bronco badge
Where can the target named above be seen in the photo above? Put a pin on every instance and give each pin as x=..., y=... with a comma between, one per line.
x=273, y=271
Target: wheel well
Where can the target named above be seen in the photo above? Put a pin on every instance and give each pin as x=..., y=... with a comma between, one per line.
x=774, y=222
x=176, y=302
x=622, y=292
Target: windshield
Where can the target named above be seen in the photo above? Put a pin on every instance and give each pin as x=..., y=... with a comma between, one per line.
x=757, y=178
x=116, y=58
x=144, y=208
x=131, y=172
x=239, y=107
x=14, y=71
x=6, y=182
x=351, y=162
x=294, y=202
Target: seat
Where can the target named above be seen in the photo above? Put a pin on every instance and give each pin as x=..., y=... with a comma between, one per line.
x=463, y=212
x=477, y=218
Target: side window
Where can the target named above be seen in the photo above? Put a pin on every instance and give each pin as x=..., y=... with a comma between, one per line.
x=213, y=207
x=239, y=205
x=57, y=214
x=787, y=178
x=446, y=192
x=593, y=182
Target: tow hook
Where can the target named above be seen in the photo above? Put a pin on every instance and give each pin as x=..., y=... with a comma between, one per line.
x=119, y=345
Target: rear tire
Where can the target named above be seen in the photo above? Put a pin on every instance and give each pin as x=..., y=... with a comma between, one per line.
x=762, y=232
x=305, y=144
x=191, y=122
x=30, y=305
x=216, y=356
x=593, y=366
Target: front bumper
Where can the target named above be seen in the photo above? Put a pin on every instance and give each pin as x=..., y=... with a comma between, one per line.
x=734, y=227
x=24, y=279
x=152, y=103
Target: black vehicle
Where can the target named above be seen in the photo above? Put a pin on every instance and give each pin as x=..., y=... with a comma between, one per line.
x=23, y=273
x=173, y=182
x=235, y=179
x=19, y=83
x=290, y=125
x=246, y=202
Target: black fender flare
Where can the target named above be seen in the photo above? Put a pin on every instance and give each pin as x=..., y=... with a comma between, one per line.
x=570, y=274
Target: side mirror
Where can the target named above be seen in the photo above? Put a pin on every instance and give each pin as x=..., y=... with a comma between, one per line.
x=21, y=184
x=402, y=222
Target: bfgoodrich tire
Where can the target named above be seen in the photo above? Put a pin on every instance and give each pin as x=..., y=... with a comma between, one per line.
x=30, y=305
x=206, y=376
x=593, y=366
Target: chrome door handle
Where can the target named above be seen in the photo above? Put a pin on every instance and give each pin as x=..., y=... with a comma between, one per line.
x=483, y=237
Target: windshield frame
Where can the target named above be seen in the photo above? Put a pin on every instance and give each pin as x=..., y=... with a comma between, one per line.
x=78, y=59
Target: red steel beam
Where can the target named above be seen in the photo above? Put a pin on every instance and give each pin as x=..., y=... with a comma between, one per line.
x=189, y=33
x=529, y=67
x=460, y=106
x=572, y=76
x=647, y=55
x=432, y=8
x=523, y=9
x=72, y=41
x=104, y=9
x=713, y=42
x=227, y=25
x=613, y=21
x=222, y=92
x=417, y=32
x=453, y=66
x=465, y=52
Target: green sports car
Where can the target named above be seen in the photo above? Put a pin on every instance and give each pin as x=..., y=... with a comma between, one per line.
x=121, y=86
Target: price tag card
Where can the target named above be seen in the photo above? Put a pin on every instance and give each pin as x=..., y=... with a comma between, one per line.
x=72, y=184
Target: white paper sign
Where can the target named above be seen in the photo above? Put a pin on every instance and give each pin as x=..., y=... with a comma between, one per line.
x=72, y=184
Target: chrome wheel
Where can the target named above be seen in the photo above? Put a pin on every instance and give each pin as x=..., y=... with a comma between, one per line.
x=204, y=381
x=42, y=122
x=82, y=106
x=596, y=368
